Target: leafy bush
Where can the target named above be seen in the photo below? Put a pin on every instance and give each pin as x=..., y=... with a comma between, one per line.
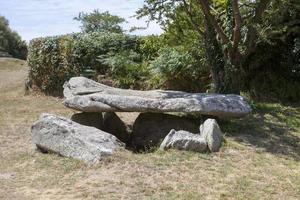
x=178, y=69
x=149, y=46
x=274, y=69
x=88, y=48
x=10, y=41
x=275, y=76
x=53, y=60
x=127, y=69
x=132, y=62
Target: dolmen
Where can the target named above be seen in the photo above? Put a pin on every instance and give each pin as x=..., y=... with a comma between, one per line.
x=98, y=132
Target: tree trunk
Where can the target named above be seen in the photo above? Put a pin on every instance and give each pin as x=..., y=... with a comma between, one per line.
x=224, y=74
x=214, y=57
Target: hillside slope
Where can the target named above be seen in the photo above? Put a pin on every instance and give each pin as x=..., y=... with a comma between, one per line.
x=259, y=160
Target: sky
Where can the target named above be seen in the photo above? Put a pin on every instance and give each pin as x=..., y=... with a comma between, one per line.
x=38, y=18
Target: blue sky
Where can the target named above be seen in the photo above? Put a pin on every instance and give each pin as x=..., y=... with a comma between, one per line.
x=37, y=18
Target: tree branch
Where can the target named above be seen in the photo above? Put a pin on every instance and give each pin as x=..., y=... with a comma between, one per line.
x=252, y=34
x=238, y=24
x=194, y=24
x=206, y=10
x=260, y=9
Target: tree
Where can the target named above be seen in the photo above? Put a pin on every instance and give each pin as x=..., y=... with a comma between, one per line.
x=100, y=21
x=229, y=29
x=10, y=41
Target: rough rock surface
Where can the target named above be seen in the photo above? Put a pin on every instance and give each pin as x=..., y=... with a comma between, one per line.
x=209, y=139
x=70, y=139
x=212, y=133
x=88, y=119
x=149, y=129
x=184, y=140
x=115, y=126
x=89, y=96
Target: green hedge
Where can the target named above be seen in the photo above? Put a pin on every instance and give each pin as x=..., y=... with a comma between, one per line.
x=177, y=68
x=53, y=60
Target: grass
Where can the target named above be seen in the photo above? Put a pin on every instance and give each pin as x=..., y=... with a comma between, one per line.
x=11, y=64
x=259, y=160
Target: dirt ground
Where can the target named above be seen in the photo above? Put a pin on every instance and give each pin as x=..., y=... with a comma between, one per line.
x=259, y=160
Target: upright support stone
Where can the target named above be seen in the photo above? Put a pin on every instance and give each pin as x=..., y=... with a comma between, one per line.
x=149, y=129
x=114, y=125
x=212, y=133
x=209, y=139
x=184, y=140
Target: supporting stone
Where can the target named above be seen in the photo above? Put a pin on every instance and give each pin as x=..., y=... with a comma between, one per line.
x=149, y=129
x=209, y=139
x=184, y=140
x=114, y=125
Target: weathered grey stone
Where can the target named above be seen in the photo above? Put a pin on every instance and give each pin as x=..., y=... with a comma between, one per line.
x=149, y=129
x=70, y=139
x=89, y=96
x=184, y=140
x=212, y=133
x=88, y=119
x=114, y=125
x=209, y=139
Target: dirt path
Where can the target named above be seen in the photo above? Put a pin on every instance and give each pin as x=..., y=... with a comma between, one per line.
x=260, y=159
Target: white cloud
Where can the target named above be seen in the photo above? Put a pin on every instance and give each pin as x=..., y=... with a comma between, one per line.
x=36, y=18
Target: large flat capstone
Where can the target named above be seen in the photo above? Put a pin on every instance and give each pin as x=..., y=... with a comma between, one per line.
x=89, y=96
x=70, y=139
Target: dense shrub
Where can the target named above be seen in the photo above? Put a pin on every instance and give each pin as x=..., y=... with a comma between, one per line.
x=274, y=69
x=179, y=69
x=127, y=69
x=275, y=76
x=10, y=41
x=149, y=46
x=130, y=61
x=53, y=60
x=89, y=48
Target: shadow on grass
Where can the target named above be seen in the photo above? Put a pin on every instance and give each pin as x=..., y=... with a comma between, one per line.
x=272, y=127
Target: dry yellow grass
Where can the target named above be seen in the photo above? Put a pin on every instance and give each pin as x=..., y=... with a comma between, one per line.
x=260, y=159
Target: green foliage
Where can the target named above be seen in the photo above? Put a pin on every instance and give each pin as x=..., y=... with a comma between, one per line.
x=52, y=63
x=127, y=69
x=274, y=69
x=178, y=49
x=88, y=47
x=10, y=41
x=265, y=61
x=183, y=28
x=149, y=46
x=100, y=22
x=53, y=60
x=130, y=61
x=177, y=68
